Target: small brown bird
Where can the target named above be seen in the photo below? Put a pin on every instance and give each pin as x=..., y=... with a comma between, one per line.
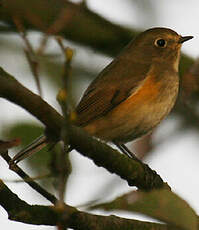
x=134, y=92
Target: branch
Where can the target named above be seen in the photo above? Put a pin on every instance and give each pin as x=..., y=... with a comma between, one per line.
x=19, y=210
x=135, y=173
x=29, y=180
x=74, y=22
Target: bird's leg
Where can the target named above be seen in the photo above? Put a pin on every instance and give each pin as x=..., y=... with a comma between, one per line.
x=126, y=151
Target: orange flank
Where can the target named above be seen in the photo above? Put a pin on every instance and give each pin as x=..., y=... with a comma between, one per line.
x=146, y=92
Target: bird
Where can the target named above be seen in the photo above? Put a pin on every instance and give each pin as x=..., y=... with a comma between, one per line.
x=133, y=94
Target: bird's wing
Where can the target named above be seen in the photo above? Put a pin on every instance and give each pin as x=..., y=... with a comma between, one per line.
x=109, y=89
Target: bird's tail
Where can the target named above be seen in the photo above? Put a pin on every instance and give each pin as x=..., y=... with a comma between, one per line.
x=32, y=148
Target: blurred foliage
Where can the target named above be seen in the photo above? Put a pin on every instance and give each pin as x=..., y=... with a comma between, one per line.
x=160, y=204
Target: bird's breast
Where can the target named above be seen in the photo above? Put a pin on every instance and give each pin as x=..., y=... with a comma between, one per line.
x=148, y=105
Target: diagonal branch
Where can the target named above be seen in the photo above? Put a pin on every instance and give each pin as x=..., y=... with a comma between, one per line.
x=28, y=180
x=79, y=25
x=72, y=21
x=135, y=173
x=19, y=210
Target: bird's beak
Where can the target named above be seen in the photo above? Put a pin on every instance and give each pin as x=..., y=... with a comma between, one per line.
x=184, y=39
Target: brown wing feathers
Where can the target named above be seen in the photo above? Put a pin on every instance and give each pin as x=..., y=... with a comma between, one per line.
x=102, y=96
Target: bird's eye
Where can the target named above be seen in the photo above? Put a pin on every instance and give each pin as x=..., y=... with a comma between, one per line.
x=160, y=43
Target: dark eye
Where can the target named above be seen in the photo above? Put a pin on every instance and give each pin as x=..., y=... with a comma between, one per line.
x=160, y=43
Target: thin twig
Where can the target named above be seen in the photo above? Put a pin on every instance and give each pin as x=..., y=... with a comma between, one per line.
x=29, y=52
x=64, y=101
x=41, y=177
x=28, y=179
x=43, y=43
